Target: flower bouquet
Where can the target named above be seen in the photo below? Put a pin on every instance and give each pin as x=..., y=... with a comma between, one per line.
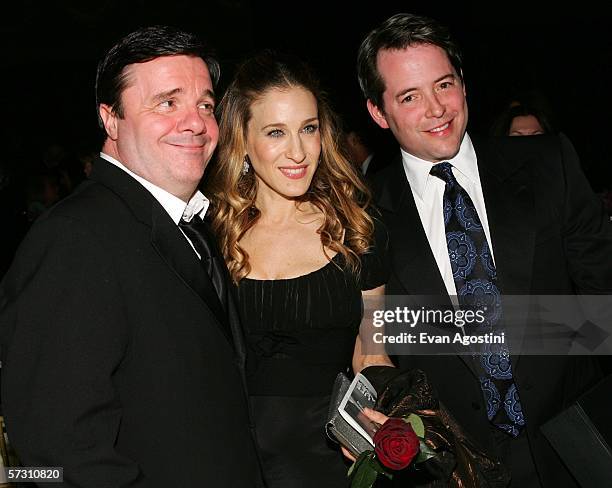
x=421, y=442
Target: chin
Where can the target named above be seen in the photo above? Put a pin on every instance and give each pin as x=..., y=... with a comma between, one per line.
x=448, y=152
x=295, y=192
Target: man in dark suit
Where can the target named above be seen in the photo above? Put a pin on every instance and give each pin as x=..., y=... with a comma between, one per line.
x=122, y=361
x=469, y=219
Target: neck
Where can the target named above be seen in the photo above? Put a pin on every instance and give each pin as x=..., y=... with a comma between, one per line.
x=278, y=210
x=110, y=147
x=180, y=191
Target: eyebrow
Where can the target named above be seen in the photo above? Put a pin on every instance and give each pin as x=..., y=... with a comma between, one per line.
x=312, y=119
x=438, y=80
x=209, y=93
x=160, y=97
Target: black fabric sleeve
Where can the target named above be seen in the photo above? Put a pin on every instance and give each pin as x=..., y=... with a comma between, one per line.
x=587, y=232
x=375, y=263
x=64, y=333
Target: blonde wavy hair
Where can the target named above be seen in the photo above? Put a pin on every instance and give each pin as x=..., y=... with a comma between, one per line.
x=336, y=188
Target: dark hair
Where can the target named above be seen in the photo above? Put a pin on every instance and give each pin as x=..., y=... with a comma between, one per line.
x=141, y=46
x=501, y=126
x=336, y=188
x=399, y=32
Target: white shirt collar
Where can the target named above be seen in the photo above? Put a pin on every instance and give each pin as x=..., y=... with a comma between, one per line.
x=366, y=163
x=417, y=170
x=198, y=204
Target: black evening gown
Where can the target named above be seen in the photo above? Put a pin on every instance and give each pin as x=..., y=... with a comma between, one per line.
x=300, y=333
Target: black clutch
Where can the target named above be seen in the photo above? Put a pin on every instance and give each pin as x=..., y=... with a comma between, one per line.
x=338, y=429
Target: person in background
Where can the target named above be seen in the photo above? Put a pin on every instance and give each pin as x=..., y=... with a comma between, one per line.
x=367, y=147
x=292, y=217
x=522, y=120
x=360, y=149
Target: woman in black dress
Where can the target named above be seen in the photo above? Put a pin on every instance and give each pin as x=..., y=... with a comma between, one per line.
x=292, y=217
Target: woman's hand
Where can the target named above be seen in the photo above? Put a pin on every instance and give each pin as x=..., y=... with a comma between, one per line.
x=377, y=418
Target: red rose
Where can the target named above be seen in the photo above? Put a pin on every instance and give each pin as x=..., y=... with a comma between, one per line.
x=396, y=444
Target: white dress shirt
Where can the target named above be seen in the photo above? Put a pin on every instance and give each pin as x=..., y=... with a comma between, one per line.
x=177, y=209
x=428, y=193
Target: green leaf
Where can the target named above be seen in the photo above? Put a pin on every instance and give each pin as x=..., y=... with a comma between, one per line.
x=417, y=424
x=380, y=468
x=425, y=454
x=365, y=474
x=355, y=466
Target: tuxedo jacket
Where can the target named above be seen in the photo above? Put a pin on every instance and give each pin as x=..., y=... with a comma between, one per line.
x=549, y=236
x=119, y=363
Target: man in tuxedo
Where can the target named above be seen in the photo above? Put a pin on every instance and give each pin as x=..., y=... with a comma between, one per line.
x=465, y=217
x=122, y=361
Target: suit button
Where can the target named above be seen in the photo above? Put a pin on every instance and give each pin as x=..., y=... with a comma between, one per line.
x=476, y=405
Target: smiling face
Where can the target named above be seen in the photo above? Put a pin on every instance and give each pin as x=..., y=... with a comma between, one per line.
x=424, y=101
x=168, y=131
x=284, y=142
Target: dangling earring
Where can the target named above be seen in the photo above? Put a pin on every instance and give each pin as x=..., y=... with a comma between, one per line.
x=245, y=165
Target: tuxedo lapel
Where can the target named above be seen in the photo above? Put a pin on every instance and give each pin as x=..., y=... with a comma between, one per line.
x=416, y=267
x=509, y=200
x=167, y=240
x=232, y=310
x=237, y=333
x=166, y=237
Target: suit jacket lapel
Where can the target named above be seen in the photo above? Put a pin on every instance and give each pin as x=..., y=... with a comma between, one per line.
x=509, y=200
x=166, y=237
x=167, y=240
x=231, y=309
x=237, y=333
x=416, y=266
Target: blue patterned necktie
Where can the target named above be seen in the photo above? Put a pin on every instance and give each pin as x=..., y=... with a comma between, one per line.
x=475, y=279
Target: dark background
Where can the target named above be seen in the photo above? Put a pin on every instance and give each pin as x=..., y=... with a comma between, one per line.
x=50, y=51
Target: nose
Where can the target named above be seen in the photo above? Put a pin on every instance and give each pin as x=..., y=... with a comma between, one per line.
x=434, y=107
x=295, y=149
x=193, y=120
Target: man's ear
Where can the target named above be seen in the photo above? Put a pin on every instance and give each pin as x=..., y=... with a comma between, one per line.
x=377, y=114
x=109, y=119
